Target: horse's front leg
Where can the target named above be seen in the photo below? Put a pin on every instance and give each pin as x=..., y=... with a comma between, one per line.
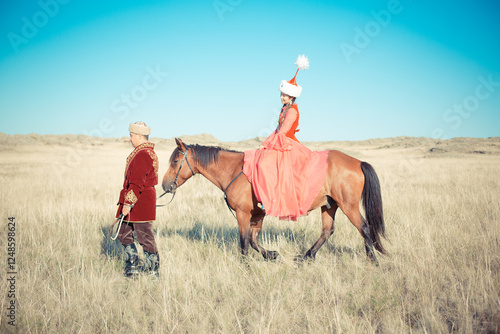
x=255, y=229
x=243, y=218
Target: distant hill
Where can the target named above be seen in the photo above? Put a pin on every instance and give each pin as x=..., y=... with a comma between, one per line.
x=429, y=146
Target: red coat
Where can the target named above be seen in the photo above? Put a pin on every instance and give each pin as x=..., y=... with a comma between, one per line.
x=141, y=176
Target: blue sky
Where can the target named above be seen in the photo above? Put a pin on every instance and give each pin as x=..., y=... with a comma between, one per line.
x=377, y=68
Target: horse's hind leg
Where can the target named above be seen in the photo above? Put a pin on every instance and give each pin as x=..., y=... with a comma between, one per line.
x=255, y=229
x=328, y=218
x=357, y=220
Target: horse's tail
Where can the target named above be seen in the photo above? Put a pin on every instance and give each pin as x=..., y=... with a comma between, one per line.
x=372, y=201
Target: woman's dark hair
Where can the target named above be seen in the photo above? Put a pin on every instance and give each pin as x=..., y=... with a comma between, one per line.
x=288, y=105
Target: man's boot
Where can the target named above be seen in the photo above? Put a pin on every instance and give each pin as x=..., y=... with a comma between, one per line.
x=152, y=263
x=131, y=261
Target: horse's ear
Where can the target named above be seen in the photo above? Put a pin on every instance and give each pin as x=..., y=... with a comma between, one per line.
x=180, y=144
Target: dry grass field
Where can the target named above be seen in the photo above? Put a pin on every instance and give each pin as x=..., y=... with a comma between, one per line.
x=441, y=205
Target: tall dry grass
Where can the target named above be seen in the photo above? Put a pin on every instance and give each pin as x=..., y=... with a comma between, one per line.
x=442, y=274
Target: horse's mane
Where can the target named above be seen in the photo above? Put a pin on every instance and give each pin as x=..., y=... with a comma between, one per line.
x=204, y=155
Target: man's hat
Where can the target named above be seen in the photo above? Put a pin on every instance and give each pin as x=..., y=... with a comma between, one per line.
x=139, y=128
x=290, y=87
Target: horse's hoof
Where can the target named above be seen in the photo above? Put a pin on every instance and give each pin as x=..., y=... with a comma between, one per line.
x=300, y=259
x=372, y=258
x=272, y=255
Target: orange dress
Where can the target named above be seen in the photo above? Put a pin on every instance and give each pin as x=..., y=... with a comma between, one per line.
x=286, y=176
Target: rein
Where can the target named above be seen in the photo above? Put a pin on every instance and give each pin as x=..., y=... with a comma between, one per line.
x=173, y=186
x=225, y=195
x=119, y=219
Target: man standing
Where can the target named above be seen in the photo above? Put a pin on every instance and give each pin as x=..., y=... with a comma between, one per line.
x=137, y=202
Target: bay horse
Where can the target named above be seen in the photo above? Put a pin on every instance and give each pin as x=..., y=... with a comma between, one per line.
x=348, y=182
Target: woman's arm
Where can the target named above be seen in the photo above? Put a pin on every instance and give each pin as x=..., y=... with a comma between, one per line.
x=290, y=117
x=278, y=140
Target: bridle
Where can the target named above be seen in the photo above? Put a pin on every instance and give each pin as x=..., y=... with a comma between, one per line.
x=173, y=186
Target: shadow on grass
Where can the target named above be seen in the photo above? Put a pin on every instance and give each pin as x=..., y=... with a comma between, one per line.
x=228, y=236
x=220, y=235
x=110, y=248
x=224, y=236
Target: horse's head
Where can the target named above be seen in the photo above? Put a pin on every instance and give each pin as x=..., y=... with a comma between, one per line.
x=180, y=168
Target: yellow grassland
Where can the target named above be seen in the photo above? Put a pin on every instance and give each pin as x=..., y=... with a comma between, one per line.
x=442, y=214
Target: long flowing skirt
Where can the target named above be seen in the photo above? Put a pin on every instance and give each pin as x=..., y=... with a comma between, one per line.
x=286, y=181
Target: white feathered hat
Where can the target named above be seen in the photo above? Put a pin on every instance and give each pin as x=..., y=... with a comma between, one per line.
x=290, y=87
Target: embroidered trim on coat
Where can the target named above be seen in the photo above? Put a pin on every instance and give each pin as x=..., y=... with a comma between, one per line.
x=135, y=151
x=156, y=164
x=130, y=197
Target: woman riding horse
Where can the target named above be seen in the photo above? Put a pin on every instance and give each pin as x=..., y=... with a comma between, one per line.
x=286, y=176
x=288, y=180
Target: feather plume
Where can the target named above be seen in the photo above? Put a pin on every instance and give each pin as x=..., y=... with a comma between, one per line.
x=302, y=62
